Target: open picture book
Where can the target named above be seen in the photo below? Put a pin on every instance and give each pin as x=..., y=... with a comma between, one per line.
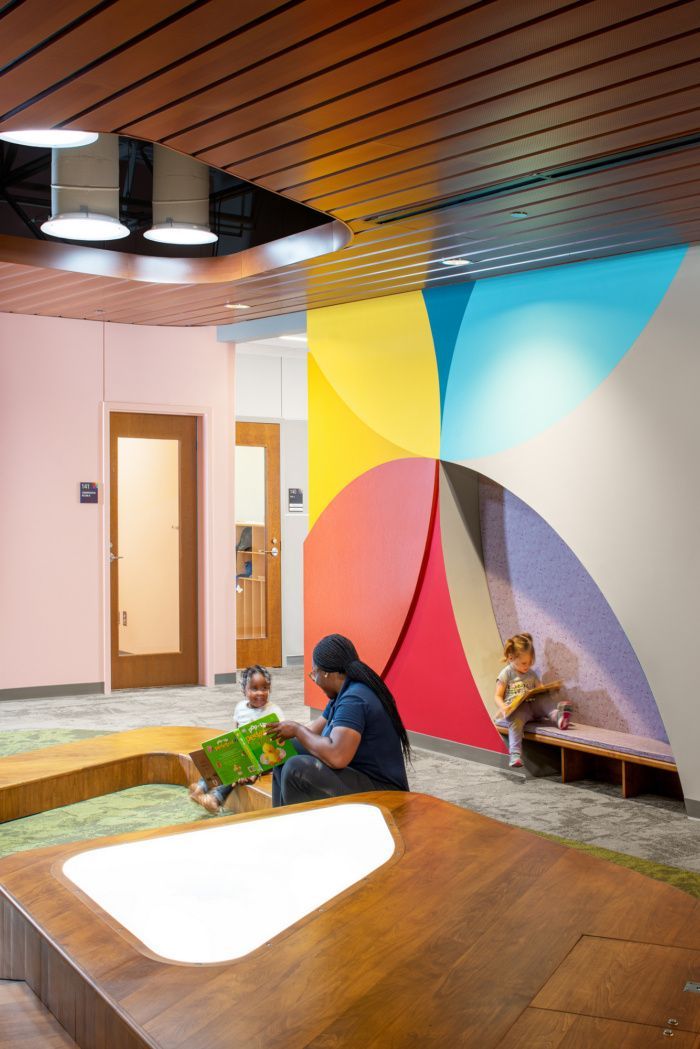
x=241, y=753
x=529, y=694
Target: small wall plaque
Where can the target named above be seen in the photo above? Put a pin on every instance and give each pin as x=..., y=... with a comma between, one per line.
x=88, y=492
x=296, y=501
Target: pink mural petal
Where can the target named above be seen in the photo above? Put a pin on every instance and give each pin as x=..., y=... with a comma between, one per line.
x=363, y=558
x=429, y=674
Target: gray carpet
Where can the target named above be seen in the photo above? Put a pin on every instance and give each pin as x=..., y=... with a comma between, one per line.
x=649, y=827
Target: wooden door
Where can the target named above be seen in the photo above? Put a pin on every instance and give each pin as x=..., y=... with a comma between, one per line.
x=153, y=550
x=258, y=545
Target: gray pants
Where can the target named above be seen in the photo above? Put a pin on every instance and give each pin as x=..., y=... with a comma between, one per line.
x=305, y=778
x=531, y=710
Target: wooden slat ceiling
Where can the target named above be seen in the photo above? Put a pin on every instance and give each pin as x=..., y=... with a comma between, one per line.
x=362, y=109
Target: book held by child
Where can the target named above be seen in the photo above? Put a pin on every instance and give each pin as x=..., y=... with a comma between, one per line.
x=242, y=753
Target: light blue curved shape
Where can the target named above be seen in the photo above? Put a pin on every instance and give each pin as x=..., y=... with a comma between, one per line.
x=532, y=346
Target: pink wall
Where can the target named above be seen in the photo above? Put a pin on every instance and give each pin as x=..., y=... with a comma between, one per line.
x=58, y=379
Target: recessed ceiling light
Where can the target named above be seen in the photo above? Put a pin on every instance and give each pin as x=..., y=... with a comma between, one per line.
x=236, y=306
x=52, y=138
x=180, y=233
x=456, y=262
x=518, y=214
x=84, y=225
x=294, y=338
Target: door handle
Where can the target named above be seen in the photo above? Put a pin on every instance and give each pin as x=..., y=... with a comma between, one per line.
x=115, y=557
x=273, y=551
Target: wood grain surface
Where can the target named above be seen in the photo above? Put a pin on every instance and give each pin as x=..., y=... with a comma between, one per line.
x=450, y=944
x=38, y=780
x=366, y=111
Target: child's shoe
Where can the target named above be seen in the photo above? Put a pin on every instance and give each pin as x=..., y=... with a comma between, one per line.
x=563, y=715
x=515, y=761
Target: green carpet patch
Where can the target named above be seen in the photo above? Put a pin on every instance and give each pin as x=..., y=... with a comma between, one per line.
x=688, y=881
x=150, y=807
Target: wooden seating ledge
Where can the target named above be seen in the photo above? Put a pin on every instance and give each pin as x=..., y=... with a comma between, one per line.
x=38, y=780
x=635, y=773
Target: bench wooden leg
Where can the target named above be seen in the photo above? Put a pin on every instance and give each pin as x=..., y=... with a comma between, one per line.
x=634, y=779
x=573, y=765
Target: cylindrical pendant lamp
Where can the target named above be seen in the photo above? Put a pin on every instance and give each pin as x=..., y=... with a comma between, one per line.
x=85, y=192
x=180, y=200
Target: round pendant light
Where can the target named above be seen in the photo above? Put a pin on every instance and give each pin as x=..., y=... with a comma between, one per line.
x=50, y=138
x=180, y=233
x=180, y=200
x=85, y=192
x=84, y=225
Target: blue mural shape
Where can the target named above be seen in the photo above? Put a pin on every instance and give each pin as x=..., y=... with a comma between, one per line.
x=446, y=308
x=532, y=346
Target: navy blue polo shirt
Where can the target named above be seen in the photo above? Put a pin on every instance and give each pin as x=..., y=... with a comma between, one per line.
x=379, y=754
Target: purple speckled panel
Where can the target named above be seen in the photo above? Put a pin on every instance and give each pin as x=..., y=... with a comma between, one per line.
x=537, y=584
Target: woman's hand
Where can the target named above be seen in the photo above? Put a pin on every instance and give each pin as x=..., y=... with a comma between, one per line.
x=282, y=730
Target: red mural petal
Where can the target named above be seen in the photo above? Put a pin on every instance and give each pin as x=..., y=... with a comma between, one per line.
x=362, y=560
x=429, y=675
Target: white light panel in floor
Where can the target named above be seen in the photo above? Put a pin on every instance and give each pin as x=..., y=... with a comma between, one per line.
x=217, y=894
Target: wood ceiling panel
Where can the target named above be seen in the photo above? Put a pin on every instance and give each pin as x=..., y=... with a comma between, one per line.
x=105, y=30
x=363, y=107
x=373, y=118
x=540, y=112
x=118, y=78
x=244, y=67
x=424, y=31
x=487, y=164
x=494, y=168
x=28, y=25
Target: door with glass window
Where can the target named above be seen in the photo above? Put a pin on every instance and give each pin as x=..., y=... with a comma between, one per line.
x=258, y=546
x=153, y=550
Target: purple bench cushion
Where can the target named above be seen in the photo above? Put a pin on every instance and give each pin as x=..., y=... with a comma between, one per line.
x=622, y=742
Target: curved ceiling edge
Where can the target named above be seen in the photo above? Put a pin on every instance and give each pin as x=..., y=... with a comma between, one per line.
x=99, y=262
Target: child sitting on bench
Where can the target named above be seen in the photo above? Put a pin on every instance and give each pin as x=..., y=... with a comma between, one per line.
x=516, y=679
x=256, y=684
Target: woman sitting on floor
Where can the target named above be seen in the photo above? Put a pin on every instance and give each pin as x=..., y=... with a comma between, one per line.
x=358, y=744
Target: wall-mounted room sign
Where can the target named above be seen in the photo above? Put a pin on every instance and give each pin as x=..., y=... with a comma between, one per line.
x=296, y=501
x=88, y=492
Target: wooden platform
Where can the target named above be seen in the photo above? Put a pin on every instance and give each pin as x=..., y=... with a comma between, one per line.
x=475, y=934
x=39, y=780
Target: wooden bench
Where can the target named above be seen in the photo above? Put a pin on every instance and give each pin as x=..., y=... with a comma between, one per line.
x=38, y=780
x=588, y=752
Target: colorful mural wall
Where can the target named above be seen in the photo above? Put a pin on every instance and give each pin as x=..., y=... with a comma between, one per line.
x=569, y=389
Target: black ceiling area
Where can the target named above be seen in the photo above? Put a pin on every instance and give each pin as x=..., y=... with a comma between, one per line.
x=241, y=214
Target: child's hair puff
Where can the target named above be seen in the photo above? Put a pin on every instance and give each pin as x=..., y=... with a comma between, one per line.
x=248, y=673
x=518, y=645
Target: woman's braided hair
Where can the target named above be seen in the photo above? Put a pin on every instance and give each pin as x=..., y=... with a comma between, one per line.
x=337, y=654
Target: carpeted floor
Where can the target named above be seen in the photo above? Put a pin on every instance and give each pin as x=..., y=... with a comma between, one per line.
x=148, y=807
x=647, y=828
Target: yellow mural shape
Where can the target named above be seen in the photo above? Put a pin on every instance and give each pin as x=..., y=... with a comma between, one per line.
x=378, y=356
x=341, y=446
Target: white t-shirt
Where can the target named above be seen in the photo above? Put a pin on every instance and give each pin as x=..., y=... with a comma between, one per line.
x=244, y=714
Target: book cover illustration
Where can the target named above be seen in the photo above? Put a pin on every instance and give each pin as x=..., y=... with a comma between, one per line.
x=522, y=697
x=266, y=751
x=246, y=751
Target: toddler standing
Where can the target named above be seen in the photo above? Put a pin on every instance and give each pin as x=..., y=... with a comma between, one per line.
x=517, y=677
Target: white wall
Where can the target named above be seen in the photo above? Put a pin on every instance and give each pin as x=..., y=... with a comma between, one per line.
x=271, y=386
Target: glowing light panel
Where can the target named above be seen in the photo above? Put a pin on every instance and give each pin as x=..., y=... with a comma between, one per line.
x=277, y=870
